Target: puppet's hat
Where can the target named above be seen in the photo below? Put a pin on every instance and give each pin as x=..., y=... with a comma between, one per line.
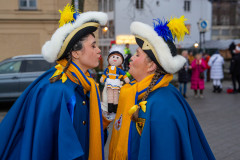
x=158, y=42
x=72, y=25
x=117, y=49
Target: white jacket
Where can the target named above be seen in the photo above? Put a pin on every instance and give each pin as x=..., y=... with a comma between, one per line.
x=216, y=63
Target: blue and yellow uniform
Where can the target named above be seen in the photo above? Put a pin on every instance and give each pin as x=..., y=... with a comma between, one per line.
x=112, y=76
x=166, y=127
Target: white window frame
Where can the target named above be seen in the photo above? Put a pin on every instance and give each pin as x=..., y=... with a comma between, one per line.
x=28, y=7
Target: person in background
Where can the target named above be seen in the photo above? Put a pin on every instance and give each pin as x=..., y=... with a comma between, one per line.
x=216, y=63
x=235, y=69
x=231, y=48
x=127, y=56
x=153, y=120
x=183, y=75
x=206, y=57
x=190, y=57
x=197, y=78
x=58, y=117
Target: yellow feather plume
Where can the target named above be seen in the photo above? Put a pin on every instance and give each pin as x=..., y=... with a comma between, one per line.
x=66, y=15
x=177, y=27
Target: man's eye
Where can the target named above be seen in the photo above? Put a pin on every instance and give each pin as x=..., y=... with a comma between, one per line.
x=117, y=57
x=113, y=56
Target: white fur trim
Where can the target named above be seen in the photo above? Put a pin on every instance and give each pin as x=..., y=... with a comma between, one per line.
x=168, y=62
x=51, y=48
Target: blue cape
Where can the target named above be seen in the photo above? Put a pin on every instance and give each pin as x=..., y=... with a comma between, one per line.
x=39, y=125
x=171, y=130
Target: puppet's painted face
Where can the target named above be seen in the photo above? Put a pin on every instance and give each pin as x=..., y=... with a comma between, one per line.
x=115, y=60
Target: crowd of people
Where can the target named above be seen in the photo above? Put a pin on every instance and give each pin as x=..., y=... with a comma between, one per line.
x=202, y=67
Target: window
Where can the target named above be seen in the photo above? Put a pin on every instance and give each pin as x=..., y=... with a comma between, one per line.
x=139, y=4
x=224, y=19
x=10, y=67
x=187, y=6
x=111, y=29
x=225, y=32
x=235, y=31
x=111, y=5
x=214, y=20
x=215, y=32
x=36, y=65
x=100, y=8
x=28, y=4
x=105, y=5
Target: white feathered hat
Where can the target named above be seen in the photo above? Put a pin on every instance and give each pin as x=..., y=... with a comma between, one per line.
x=72, y=26
x=158, y=42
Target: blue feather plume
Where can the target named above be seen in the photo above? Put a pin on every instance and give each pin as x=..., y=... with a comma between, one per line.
x=75, y=15
x=162, y=29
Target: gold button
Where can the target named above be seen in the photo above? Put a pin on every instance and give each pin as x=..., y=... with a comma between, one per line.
x=84, y=122
x=83, y=102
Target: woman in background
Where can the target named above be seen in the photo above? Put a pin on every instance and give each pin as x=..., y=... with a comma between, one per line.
x=183, y=75
x=197, y=78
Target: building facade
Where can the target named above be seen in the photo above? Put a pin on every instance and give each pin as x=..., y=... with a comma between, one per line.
x=106, y=33
x=25, y=25
x=145, y=11
x=124, y=12
x=225, y=19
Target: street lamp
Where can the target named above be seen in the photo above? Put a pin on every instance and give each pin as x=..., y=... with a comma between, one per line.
x=196, y=45
x=105, y=29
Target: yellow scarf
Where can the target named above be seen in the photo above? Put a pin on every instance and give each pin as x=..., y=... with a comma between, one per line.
x=96, y=146
x=129, y=95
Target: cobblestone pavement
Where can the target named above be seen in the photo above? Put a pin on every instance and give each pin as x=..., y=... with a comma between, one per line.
x=219, y=117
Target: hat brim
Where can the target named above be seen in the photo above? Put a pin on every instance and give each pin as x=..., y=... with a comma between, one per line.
x=73, y=37
x=156, y=47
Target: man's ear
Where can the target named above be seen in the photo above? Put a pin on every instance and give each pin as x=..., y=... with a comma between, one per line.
x=76, y=54
x=151, y=67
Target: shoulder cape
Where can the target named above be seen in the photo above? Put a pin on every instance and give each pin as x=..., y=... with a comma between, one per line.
x=171, y=130
x=38, y=126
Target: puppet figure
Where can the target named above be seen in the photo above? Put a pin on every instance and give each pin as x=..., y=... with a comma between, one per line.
x=112, y=75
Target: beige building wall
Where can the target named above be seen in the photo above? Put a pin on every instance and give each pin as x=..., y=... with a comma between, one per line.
x=90, y=5
x=25, y=31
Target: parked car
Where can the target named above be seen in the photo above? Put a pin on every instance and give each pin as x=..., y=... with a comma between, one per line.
x=18, y=72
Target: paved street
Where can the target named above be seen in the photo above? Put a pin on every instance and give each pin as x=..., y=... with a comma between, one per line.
x=219, y=116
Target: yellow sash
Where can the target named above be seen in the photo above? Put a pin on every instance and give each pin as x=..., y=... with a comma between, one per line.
x=96, y=146
x=129, y=95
